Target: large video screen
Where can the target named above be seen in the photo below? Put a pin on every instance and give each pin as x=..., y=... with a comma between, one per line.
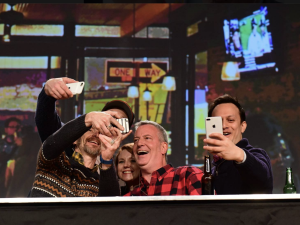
x=248, y=41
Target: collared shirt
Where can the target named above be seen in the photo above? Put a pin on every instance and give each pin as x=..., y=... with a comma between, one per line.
x=77, y=156
x=184, y=180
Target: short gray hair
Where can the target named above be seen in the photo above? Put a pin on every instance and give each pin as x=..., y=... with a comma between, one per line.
x=163, y=136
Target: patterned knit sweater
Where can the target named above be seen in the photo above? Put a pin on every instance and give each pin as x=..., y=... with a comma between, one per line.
x=57, y=174
x=63, y=177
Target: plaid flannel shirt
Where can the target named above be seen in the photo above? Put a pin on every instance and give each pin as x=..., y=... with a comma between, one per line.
x=184, y=180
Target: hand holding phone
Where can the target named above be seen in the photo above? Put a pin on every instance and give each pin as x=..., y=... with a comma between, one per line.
x=76, y=88
x=124, y=122
x=213, y=125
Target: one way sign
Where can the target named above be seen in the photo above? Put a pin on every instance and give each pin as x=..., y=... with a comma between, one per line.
x=122, y=71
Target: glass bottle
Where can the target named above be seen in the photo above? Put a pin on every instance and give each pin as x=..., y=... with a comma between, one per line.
x=289, y=187
x=207, y=178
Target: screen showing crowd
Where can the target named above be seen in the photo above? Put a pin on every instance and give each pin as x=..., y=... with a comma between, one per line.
x=248, y=41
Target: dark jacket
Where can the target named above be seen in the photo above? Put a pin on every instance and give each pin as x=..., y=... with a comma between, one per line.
x=254, y=176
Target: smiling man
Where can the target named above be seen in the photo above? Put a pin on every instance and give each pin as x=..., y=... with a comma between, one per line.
x=66, y=164
x=158, y=177
x=239, y=167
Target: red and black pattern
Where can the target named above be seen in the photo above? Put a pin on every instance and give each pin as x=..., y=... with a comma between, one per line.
x=184, y=180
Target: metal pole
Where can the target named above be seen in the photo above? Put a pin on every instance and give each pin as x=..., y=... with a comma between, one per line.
x=147, y=110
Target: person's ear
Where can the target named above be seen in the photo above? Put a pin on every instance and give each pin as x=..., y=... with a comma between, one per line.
x=164, y=148
x=244, y=126
x=75, y=144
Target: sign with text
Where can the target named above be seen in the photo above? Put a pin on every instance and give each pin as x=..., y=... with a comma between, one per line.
x=146, y=72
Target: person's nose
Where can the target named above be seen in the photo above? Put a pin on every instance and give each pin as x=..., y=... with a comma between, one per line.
x=225, y=125
x=127, y=164
x=140, y=142
x=96, y=133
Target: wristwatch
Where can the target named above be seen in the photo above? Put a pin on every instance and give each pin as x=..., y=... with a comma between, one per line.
x=105, y=161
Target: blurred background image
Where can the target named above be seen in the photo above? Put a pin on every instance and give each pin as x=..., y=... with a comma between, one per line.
x=169, y=61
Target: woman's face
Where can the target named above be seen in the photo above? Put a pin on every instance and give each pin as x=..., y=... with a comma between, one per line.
x=128, y=169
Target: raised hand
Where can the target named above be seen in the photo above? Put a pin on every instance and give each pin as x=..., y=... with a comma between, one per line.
x=223, y=147
x=104, y=121
x=109, y=145
x=58, y=89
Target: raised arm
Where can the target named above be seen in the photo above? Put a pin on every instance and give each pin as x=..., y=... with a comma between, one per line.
x=64, y=137
x=46, y=118
x=253, y=164
x=56, y=143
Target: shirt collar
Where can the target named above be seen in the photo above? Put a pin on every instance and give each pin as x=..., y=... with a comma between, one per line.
x=77, y=156
x=160, y=174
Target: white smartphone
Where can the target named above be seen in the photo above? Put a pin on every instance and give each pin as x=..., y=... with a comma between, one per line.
x=124, y=122
x=213, y=125
x=76, y=88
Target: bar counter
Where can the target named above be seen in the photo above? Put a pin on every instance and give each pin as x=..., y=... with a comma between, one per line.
x=217, y=209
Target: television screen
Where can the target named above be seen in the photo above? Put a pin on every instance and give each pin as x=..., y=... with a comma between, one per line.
x=248, y=41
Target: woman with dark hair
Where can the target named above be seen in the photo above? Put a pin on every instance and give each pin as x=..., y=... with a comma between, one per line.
x=127, y=168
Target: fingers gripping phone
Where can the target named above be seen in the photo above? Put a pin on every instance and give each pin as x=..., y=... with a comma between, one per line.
x=76, y=88
x=124, y=122
x=213, y=125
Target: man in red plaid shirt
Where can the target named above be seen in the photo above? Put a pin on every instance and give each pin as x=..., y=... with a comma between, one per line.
x=158, y=177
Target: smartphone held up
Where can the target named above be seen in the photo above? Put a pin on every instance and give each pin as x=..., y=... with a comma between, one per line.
x=124, y=122
x=213, y=125
x=76, y=88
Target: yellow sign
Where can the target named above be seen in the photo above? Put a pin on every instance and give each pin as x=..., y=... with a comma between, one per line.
x=154, y=72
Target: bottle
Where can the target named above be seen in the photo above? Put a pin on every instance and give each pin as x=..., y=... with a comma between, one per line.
x=289, y=187
x=207, y=178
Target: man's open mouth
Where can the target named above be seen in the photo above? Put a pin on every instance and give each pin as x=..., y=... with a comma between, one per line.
x=142, y=152
x=94, y=141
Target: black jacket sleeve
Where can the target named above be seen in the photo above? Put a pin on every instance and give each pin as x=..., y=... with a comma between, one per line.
x=109, y=185
x=62, y=139
x=46, y=117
